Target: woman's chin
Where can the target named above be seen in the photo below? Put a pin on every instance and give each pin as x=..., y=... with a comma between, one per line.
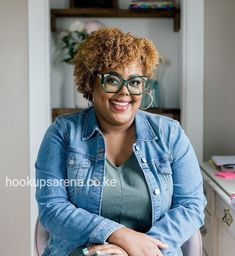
x=122, y=117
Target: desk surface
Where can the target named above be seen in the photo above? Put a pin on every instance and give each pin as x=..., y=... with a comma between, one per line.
x=227, y=185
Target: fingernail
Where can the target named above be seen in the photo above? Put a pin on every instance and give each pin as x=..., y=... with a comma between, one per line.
x=85, y=251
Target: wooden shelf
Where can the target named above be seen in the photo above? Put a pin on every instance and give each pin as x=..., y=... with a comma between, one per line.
x=170, y=112
x=115, y=13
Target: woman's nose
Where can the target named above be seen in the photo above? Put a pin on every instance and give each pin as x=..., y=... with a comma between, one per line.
x=124, y=90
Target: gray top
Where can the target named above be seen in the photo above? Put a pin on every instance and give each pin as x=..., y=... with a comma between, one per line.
x=128, y=202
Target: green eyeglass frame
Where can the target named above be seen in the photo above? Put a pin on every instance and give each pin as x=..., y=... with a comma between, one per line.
x=117, y=82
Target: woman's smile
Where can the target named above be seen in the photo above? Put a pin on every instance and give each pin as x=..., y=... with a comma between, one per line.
x=120, y=105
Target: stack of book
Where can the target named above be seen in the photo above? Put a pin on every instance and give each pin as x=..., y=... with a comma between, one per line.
x=225, y=166
x=152, y=4
x=224, y=162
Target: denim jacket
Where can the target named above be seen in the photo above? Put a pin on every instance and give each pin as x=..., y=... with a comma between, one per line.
x=73, y=148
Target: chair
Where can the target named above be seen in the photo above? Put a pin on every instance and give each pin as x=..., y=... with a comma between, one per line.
x=192, y=247
x=41, y=238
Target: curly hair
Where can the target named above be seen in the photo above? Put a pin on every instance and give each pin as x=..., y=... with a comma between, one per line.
x=110, y=48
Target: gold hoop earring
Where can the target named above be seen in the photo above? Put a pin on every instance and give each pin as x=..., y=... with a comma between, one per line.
x=151, y=101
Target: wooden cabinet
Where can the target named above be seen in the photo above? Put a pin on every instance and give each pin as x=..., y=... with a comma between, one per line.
x=226, y=228
x=218, y=233
x=173, y=113
x=225, y=242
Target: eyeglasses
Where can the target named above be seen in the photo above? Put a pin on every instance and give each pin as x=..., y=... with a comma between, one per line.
x=112, y=82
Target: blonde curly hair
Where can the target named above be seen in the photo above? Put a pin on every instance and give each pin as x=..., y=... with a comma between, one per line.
x=110, y=48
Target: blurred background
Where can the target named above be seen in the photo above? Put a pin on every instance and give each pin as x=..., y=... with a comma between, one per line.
x=196, y=42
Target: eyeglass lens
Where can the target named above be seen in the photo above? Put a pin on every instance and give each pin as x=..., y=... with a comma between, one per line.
x=113, y=83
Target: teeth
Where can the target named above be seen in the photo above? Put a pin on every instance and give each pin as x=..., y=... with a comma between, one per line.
x=120, y=103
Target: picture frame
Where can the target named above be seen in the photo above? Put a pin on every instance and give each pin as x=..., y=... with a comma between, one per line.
x=93, y=4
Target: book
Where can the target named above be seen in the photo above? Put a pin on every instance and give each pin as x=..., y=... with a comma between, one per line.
x=225, y=174
x=151, y=4
x=225, y=163
x=224, y=160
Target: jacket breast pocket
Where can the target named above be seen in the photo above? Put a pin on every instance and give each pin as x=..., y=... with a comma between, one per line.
x=164, y=176
x=78, y=167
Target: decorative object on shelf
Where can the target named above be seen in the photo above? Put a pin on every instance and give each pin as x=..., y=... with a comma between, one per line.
x=154, y=90
x=68, y=43
x=152, y=4
x=154, y=85
x=123, y=4
x=93, y=3
x=69, y=40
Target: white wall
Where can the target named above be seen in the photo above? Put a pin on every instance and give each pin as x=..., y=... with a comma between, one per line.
x=39, y=89
x=219, y=100
x=24, y=101
x=159, y=30
x=192, y=72
x=14, y=135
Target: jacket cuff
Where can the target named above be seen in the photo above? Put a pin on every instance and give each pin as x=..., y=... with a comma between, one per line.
x=101, y=233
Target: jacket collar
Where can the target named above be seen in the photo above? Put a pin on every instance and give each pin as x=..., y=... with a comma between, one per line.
x=90, y=126
x=144, y=130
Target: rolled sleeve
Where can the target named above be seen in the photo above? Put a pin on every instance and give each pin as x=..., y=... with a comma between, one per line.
x=186, y=214
x=57, y=214
x=101, y=233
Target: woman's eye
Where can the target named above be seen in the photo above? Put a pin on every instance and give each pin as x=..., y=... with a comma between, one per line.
x=112, y=80
x=135, y=82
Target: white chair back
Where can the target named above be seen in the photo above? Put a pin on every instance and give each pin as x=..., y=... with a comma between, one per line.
x=193, y=246
x=41, y=238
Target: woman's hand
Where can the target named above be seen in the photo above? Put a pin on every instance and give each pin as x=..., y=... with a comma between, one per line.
x=136, y=243
x=111, y=249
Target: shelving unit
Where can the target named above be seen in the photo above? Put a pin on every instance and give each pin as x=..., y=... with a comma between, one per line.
x=115, y=13
x=173, y=14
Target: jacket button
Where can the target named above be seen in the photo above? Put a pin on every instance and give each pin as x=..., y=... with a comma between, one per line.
x=71, y=161
x=137, y=148
x=143, y=160
x=156, y=191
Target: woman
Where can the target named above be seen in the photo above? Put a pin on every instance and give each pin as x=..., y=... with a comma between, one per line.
x=130, y=183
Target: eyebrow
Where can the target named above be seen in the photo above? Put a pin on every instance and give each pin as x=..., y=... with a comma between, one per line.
x=119, y=75
x=113, y=73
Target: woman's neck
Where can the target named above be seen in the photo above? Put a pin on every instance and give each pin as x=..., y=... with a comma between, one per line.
x=108, y=128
